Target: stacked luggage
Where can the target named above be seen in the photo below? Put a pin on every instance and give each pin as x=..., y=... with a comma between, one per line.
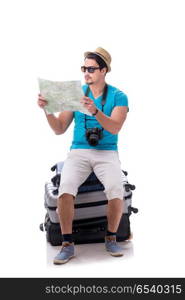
x=90, y=221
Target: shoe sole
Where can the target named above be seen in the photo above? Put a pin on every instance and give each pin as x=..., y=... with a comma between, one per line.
x=115, y=254
x=61, y=262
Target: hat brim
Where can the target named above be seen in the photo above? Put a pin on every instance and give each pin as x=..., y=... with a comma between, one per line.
x=102, y=57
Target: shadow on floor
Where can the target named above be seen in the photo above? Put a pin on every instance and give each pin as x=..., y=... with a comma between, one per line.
x=90, y=253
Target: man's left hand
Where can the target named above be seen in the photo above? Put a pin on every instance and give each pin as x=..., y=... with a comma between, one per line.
x=88, y=104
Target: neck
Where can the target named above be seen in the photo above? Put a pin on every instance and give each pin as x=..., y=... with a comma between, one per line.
x=97, y=88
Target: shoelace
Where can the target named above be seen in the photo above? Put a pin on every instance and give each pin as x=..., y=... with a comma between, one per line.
x=112, y=242
x=64, y=247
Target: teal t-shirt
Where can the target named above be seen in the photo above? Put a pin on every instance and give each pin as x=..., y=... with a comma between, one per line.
x=115, y=97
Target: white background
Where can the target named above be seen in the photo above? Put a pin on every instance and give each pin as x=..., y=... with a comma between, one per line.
x=47, y=38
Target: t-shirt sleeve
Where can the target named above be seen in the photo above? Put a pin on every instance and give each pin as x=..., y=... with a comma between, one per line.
x=121, y=99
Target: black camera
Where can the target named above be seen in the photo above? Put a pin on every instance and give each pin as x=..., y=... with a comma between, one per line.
x=93, y=135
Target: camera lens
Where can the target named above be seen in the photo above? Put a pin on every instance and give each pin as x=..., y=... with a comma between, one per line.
x=93, y=135
x=93, y=139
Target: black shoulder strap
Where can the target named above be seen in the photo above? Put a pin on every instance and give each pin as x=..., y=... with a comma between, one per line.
x=87, y=91
x=104, y=94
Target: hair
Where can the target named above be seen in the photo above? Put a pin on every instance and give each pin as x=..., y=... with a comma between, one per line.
x=98, y=59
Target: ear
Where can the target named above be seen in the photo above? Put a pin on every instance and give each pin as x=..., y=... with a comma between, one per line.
x=104, y=71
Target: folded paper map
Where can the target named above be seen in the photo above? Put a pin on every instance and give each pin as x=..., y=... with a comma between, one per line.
x=62, y=95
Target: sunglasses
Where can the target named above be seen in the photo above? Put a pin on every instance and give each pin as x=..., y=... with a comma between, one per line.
x=89, y=69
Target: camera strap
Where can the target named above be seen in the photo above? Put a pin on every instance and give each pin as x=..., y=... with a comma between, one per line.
x=102, y=101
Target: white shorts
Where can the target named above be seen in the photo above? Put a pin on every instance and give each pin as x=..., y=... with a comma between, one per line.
x=81, y=162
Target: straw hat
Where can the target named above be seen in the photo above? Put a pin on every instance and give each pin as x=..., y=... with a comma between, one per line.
x=103, y=54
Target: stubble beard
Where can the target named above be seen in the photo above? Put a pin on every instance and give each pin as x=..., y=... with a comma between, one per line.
x=89, y=82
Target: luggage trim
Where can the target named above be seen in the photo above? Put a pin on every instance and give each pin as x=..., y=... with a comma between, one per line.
x=89, y=204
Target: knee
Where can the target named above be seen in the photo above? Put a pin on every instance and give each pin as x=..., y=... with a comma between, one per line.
x=113, y=191
x=65, y=197
x=67, y=187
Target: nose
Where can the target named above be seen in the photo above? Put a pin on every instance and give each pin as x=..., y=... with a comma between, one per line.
x=86, y=73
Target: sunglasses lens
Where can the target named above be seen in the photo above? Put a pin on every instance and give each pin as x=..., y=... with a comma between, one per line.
x=90, y=70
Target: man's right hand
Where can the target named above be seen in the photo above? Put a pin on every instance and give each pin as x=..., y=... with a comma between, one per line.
x=41, y=101
x=58, y=124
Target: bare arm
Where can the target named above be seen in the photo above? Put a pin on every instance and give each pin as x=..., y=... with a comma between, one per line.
x=113, y=123
x=58, y=124
x=61, y=123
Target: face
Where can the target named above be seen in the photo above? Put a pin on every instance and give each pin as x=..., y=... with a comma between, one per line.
x=93, y=78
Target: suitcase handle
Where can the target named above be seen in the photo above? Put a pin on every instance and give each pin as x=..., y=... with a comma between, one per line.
x=88, y=227
x=90, y=223
x=89, y=230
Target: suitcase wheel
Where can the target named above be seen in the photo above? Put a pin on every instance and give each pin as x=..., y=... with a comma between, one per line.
x=41, y=227
x=129, y=238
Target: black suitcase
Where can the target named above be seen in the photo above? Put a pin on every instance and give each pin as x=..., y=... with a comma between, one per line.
x=86, y=230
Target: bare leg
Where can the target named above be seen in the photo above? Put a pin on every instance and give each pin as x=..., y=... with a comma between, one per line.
x=114, y=213
x=65, y=206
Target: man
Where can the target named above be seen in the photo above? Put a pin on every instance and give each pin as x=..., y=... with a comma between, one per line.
x=94, y=151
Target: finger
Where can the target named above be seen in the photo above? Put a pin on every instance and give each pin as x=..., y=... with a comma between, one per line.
x=86, y=98
x=42, y=99
x=42, y=103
